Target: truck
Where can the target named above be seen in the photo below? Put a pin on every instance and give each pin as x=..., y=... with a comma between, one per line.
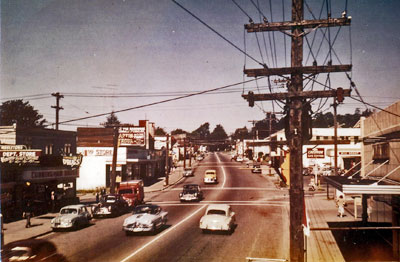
x=132, y=192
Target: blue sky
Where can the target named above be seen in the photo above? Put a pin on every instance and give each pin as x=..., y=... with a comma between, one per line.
x=111, y=47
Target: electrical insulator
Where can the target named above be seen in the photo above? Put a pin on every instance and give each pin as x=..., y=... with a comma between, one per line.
x=250, y=98
x=340, y=94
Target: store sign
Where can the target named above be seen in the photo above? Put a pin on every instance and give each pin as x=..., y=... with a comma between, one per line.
x=315, y=153
x=132, y=136
x=13, y=147
x=53, y=174
x=72, y=161
x=349, y=153
x=96, y=152
x=20, y=156
x=160, y=142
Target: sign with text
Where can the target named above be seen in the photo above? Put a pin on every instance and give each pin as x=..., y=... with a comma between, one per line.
x=20, y=156
x=160, y=142
x=72, y=161
x=315, y=153
x=132, y=136
x=32, y=175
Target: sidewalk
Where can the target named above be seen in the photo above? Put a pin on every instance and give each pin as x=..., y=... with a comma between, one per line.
x=16, y=230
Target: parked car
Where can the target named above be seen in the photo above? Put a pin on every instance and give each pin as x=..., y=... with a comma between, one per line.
x=218, y=217
x=188, y=171
x=31, y=250
x=256, y=168
x=199, y=158
x=210, y=177
x=145, y=218
x=73, y=216
x=110, y=205
x=191, y=192
x=239, y=159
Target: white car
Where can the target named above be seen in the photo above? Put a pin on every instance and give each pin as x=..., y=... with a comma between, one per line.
x=188, y=172
x=145, y=218
x=239, y=159
x=218, y=217
x=72, y=216
x=210, y=177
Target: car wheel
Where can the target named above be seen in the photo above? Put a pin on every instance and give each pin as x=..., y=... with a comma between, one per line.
x=154, y=229
x=127, y=233
x=205, y=231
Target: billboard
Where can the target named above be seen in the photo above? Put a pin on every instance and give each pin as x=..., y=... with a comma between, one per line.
x=132, y=136
x=160, y=142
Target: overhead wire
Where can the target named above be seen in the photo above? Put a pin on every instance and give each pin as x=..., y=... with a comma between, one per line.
x=216, y=32
x=158, y=102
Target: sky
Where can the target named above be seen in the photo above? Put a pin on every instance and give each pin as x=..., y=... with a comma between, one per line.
x=146, y=51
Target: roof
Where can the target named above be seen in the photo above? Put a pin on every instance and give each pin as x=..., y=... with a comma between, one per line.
x=224, y=207
x=363, y=186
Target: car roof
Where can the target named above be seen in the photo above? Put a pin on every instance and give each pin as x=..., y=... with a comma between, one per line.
x=224, y=207
x=73, y=206
x=211, y=170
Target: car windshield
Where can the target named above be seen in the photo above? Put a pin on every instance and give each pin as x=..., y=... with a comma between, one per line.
x=69, y=211
x=190, y=190
x=125, y=191
x=146, y=209
x=110, y=199
x=216, y=212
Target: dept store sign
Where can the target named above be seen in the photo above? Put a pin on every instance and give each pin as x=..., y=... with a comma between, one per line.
x=20, y=156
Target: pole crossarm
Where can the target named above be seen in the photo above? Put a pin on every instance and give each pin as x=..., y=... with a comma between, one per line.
x=297, y=70
x=300, y=94
x=289, y=25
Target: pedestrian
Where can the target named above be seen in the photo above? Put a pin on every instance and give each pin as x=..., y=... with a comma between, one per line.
x=28, y=213
x=97, y=196
x=53, y=201
x=340, y=204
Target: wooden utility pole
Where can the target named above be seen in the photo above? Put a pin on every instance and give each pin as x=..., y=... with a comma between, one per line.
x=114, y=161
x=296, y=102
x=184, y=153
x=57, y=107
x=335, y=135
x=167, y=162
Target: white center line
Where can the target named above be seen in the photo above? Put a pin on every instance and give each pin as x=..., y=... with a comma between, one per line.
x=162, y=234
x=223, y=171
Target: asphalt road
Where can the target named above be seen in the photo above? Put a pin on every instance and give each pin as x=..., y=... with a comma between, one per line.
x=261, y=216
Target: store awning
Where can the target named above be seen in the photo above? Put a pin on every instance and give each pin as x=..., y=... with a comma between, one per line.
x=363, y=186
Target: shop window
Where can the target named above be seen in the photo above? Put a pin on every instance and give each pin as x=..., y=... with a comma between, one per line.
x=381, y=151
x=318, y=138
x=49, y=149
x=67, y=149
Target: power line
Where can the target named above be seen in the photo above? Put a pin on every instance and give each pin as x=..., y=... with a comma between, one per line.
x=159, y=102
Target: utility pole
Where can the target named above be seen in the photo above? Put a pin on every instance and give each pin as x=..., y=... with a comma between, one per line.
x=299, y=122
x=167, y=162
x=57, y=107
x=184, y=153
x=114, y=160
x=254, y=130
x=335, y=135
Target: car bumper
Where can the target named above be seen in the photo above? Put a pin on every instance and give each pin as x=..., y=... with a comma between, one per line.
x=210, y=181
x=215, y=227
x=189, y=198
x=137, y=229
x=61, y=225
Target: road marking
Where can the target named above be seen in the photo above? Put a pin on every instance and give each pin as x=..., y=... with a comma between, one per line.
x=272, y=204
x=162, y=234
x=223, y=171
x=231, y=188
x=233, y=202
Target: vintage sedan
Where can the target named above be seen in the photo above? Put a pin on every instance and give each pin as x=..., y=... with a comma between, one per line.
x=256, y=168
x=73, y=216
x=191, y=192
x=31, y=250
x=145, y=218
x=210, y=177
x=188, y=172
x=110, y=205
x=218, y=217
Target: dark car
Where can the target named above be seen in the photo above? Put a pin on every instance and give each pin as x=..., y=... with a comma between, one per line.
x=110, y=205
x=31, y=250
x=191, y=192
x=256, y=168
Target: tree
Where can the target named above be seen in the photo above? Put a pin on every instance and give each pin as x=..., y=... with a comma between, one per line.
x=241, y=133
x=203, y=132
x=112, y=120
x=20, y=113
x=218, y=133
x=160, y=132
x=178, y=131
